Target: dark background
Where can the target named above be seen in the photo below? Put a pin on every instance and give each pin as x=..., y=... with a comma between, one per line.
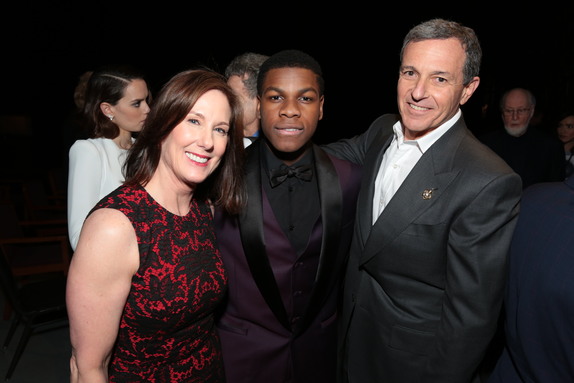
x=47, y=46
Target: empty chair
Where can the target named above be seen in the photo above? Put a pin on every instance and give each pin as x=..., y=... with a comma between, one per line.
x=26, y=251
x=40, y=203
x=38, y=304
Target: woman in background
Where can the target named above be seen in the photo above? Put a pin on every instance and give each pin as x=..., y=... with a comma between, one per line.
x=565, y=131
x=116, y=106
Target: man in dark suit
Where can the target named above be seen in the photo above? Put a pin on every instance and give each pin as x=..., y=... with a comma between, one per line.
x=435, y=215
x=539, y=300
x=285, y=254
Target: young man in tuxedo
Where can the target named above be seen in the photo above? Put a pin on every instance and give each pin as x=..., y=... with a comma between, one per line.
x=285, y=253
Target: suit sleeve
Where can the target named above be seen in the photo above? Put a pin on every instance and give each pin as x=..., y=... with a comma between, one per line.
x=354, y=149
x=478, y=247
x=84, y=180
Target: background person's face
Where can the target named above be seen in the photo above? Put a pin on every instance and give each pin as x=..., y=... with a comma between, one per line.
x=517, y=113
x=565, y=130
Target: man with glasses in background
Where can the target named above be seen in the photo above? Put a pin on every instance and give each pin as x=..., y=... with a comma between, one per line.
x=532, y=153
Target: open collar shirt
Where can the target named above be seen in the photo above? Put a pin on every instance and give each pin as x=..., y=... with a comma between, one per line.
x=399, y=159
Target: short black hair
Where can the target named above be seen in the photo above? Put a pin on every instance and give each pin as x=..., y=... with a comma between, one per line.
x=290, y=58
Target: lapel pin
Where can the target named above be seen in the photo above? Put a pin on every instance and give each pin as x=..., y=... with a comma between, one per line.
x=427, y=193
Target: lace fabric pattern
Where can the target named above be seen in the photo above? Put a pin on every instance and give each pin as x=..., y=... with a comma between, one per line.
x=167, y=331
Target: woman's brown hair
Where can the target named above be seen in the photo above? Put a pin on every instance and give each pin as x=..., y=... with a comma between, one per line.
x=172, y=104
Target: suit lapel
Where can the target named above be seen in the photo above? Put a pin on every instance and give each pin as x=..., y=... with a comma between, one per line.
x=365, y=198
x=252, y=235
x=422, y=188
x=331, y=213
x=253, y=239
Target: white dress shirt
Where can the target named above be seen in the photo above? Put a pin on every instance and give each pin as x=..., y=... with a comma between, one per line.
x=399, y=159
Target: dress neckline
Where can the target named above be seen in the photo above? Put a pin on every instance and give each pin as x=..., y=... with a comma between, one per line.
x=155, y=202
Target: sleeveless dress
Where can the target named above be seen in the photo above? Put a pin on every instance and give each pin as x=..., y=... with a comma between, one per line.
x=167, y=331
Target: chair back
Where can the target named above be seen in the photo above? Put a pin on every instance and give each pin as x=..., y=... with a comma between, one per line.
x=38, y=202
x=30, y=254
x=9, y=285
x=39, y=304
x=9, y=227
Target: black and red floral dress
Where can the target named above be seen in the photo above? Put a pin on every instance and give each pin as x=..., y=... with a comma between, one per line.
x=167, y=331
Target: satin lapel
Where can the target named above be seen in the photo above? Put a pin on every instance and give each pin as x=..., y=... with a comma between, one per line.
x=253, y=239
x=422, y=188
x=375, y=157
x=331, y=213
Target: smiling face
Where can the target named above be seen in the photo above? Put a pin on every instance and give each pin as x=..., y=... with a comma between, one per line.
x=430, y=87
x=290, y=108
x=194, y=148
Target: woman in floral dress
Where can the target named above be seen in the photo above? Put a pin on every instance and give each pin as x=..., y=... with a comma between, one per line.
x=147, y=275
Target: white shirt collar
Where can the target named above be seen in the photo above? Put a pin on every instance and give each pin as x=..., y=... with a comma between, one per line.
x=430, y=138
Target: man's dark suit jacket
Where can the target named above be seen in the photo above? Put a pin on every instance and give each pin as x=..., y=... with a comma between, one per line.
x=539, y=301
x=424, y=284
x=265, y=333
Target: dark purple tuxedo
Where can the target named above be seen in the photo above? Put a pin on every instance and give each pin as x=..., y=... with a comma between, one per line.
x=280, y=319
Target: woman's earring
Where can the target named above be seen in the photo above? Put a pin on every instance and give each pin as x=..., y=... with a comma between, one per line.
x=111, y=118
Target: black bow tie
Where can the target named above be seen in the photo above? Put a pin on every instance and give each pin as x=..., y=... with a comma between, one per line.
x=277, y=176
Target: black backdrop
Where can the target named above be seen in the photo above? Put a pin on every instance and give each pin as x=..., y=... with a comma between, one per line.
x=46, y=46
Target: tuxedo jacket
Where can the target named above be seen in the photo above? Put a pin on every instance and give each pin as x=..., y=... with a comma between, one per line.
x=539, y=300
x=424, y=284
x=267, y=333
